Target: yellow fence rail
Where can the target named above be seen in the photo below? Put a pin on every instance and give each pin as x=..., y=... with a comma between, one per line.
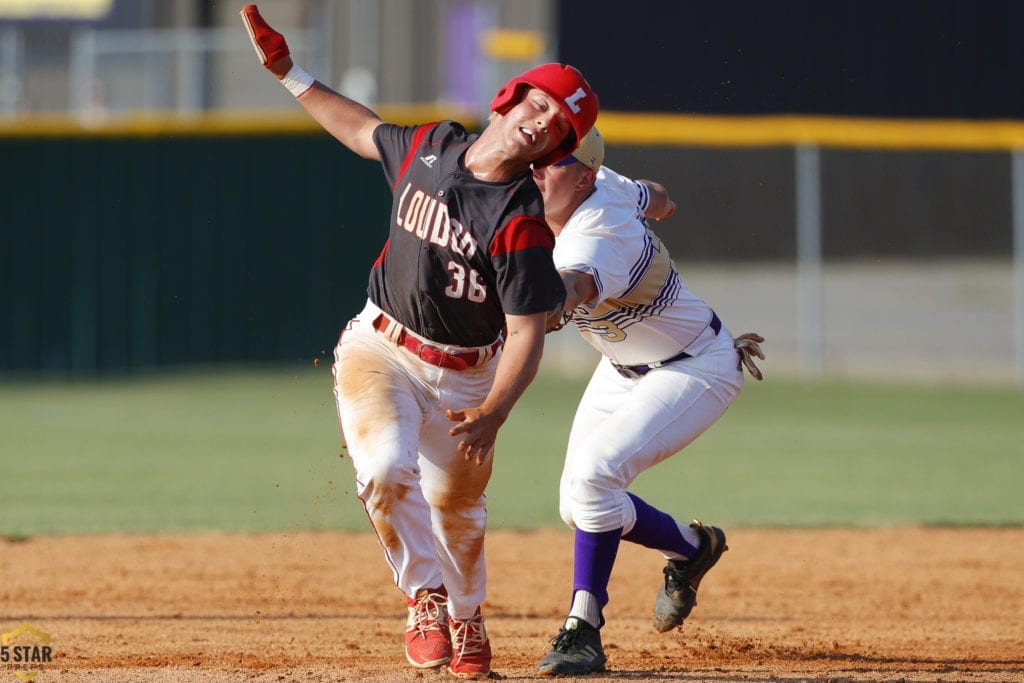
x=657, y=129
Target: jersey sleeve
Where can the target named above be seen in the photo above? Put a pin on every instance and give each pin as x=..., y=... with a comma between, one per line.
x=626, y=189
x=528, y=282
x=393, y=145
x=397, y=146
x=606, y=236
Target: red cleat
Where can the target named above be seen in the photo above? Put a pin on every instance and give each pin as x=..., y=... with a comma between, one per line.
x=471, y=649
x=427, y=642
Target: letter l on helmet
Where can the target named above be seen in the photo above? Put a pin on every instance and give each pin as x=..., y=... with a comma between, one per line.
x=568, y=87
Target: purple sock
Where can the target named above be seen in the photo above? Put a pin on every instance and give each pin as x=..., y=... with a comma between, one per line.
x=656, y=529
x=592, y=564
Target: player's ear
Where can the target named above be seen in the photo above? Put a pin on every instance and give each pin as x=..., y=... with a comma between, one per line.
x=587, y=178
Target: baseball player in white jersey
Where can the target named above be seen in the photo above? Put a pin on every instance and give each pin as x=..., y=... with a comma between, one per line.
x=669, y=370
x=421, y=386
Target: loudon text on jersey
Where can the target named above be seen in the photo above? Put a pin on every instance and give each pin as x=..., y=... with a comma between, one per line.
x=425, y=216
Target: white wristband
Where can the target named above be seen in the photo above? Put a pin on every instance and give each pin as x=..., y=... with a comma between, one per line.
x=297, y=81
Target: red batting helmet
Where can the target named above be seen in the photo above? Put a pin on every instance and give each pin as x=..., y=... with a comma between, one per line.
x=570, y=90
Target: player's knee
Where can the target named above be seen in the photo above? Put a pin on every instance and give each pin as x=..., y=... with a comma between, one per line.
x=594, y=504
x=383, y=473
x=454, y=506
x=565, y=511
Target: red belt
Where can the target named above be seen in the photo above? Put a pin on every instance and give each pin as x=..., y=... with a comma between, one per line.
x=429, y=353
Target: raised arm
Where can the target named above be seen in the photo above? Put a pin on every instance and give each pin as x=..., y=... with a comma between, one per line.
x=347, y=120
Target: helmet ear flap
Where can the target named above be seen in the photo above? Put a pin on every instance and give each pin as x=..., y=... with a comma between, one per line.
x=508, y=95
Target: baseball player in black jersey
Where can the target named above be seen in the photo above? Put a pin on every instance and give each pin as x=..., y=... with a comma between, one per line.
x=419, y=389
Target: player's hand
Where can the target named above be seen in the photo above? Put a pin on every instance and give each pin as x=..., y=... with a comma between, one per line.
x=479, y=430
x=556, y=321
x=747, y=346
x=270, y=45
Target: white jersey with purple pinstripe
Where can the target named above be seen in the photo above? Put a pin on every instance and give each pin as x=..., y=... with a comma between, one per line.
x=641, y=298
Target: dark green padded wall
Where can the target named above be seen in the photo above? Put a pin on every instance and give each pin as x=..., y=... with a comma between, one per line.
x=127, y=253
x=120, y=253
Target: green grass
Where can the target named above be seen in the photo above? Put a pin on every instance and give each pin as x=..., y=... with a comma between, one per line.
x=219, y=450
x=259, y=450
x=794, y=455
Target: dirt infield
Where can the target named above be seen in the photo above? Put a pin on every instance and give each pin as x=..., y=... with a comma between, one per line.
x=784, y=605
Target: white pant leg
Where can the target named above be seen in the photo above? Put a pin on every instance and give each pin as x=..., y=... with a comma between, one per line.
x=624, y=427
x=381, y=409
x=454, y=488
x=600, y=400
x=425, y=502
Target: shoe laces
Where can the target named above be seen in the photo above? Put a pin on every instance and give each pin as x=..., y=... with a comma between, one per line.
x=673, y=579
x=565, y=639
x=428, y=613
x=469, y=636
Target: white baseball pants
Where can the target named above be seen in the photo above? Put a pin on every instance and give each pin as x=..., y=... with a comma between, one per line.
x=425, y=501
x=626, y=426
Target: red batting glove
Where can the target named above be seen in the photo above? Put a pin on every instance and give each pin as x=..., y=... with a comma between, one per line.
x=270, y=45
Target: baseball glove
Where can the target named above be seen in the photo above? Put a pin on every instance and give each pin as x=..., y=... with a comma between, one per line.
x=556, y=321
x=747, y=346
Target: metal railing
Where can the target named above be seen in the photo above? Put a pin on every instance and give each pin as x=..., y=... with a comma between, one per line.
x=161, y=69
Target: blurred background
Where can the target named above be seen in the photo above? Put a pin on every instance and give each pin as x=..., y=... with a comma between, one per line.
x=849, y=174
x=180, y=245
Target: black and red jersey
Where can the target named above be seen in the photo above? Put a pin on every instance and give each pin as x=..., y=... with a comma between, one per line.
x=461, y=252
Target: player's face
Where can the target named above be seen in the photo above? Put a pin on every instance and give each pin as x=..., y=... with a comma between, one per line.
x=537, y=124
x=559, y=183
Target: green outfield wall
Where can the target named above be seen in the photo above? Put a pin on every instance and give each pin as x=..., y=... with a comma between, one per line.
x=146, y=244
x=128, y=252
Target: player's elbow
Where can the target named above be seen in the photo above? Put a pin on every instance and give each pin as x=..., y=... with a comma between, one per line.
x=660, y=206
x=580, y=288
x=362, y=142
